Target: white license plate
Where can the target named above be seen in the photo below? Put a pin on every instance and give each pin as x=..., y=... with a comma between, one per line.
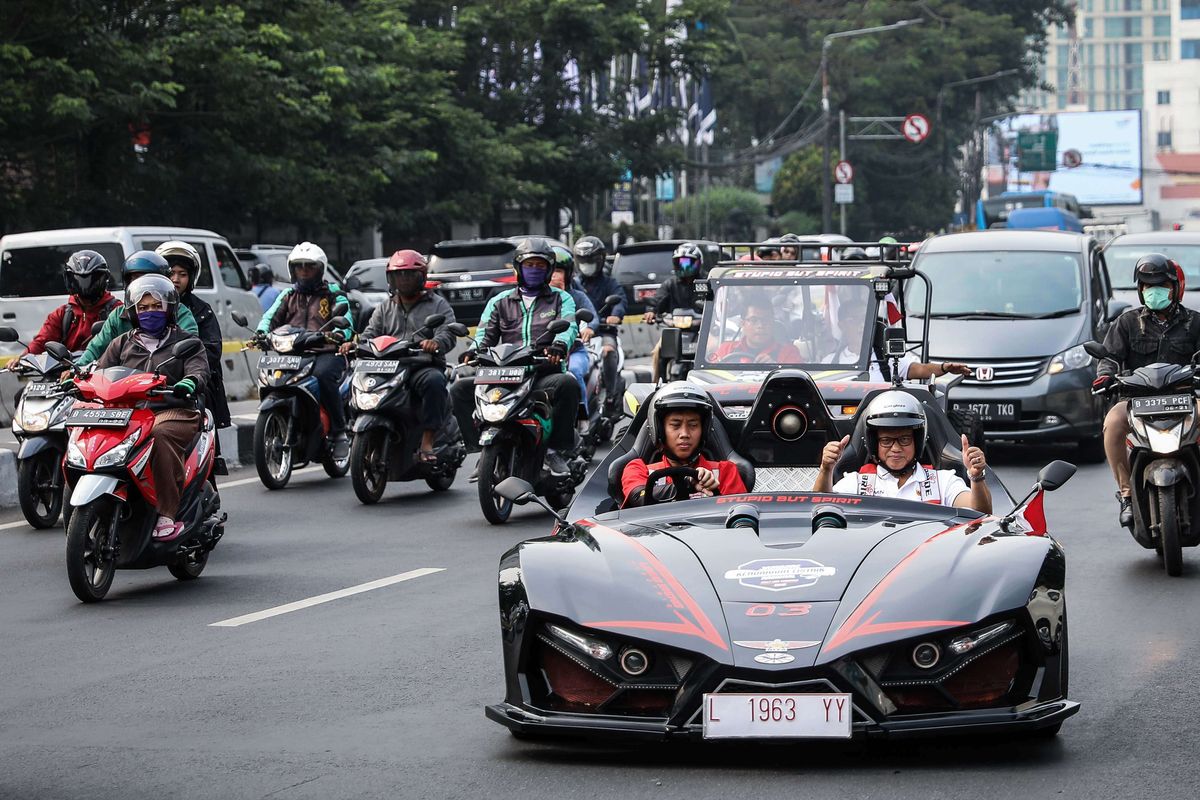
x=777, y=716
x=279, y=362
x=379, y=366
x=487, y=375
x=42, y=389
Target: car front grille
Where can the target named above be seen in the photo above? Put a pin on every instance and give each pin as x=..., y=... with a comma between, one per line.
x=1004, y=373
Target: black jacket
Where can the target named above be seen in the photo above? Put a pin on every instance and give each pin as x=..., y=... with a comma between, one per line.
x=1137, y=338
x=393, y=318
x=672, y=294
x=210, y=333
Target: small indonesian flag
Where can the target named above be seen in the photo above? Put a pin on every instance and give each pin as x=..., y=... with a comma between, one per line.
x=894, y=317
x=1033, y=515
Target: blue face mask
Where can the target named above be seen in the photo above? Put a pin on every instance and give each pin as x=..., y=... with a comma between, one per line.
x=533, y=279
x=1156, y=298
x=152, y=322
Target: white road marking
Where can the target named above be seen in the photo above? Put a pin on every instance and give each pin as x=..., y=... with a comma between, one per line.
x=245, y=481
x=246, y=619
x=245, y=416
x=18, y=524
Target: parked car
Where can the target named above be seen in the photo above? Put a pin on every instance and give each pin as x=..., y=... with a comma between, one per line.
x=1018, y=306
x=1123, y=252
x=640, y=267
x=469, y=272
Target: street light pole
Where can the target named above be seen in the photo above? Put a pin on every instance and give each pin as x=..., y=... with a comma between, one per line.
x=941, y=98
x=827, y=122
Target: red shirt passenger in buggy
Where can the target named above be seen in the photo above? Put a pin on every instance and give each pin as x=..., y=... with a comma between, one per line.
x=679, y=418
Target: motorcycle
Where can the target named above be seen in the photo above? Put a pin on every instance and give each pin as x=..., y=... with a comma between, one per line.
x=112, y=489
x=1164, y=455
x=515, y=426
x=386, y=431
x=292, y=429
x=604, y=406
x=38, y=426
x=677, y=349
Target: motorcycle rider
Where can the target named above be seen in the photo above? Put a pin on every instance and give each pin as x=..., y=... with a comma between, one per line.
x=678, y=422
x=151, y=305
x=562, y=277
x=87, y=276
x=520, y=316
x=402, y=316
x=183, y=263
x=1161, y=331
x=896, y=438
x=677, y=291
x=309, y=303
x=261, y=279
x=143, y=262
x=590, y=259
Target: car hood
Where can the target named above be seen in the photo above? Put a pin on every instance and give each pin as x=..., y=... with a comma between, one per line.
x=1003, y=338
x=723, y=592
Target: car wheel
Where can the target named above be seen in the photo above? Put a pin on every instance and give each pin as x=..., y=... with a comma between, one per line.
x=968, y=422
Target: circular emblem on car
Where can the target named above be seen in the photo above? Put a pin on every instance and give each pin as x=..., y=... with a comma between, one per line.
x=774, y=658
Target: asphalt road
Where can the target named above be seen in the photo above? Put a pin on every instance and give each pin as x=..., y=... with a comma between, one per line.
x=381, y=694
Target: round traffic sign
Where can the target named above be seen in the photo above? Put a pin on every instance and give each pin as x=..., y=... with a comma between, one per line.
x=1072, y=158
x=915, y=128
x=843, y=172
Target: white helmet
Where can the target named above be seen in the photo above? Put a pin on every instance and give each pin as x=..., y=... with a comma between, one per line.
x=307, y=253
x=175, y=250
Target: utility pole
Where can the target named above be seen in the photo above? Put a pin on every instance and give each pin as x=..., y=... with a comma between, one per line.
x=842, y=157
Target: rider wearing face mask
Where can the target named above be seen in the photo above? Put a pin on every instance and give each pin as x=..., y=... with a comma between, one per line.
x=1161, y=331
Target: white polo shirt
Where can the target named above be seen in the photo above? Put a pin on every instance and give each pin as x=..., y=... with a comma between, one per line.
x=874, y=374
x=925, y=485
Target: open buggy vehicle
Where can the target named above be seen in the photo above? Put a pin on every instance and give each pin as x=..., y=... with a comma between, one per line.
x=781, y=612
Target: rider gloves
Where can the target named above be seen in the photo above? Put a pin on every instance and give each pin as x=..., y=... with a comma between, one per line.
x=1101, y=383
x=184, y=388
x=557, y=349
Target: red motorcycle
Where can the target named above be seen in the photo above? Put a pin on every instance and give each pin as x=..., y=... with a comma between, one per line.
x=111, y=486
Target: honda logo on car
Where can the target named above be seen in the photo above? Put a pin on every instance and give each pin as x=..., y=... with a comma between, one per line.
x=778, y=574
x=984, y=374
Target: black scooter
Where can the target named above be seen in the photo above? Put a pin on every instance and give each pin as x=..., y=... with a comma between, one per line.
x=386, y=430
x=604, y=402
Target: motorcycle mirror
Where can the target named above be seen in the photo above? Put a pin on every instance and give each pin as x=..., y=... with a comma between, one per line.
x=1095, y=350
x=1055, y=474
x=59, y=351
x=516, y=490
x=352, y=283
x=557, y=326
x=458, y=329
x=583, y=315
x=612, y=300
x=336, y=322
x=239, y=319
x=97, y=327
x=9, y=335
x=434, y=320
x=187, y=348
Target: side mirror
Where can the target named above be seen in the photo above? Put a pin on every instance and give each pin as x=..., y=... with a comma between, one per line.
x=352, y=283
x=9, y=335
x=434, y=320
x=1115, y=309
x=187, y=348
x=458, y=329
x=612, y=300
x=515, y=490
x=583, y=315
x=59, y=351
x=1095, y=350
x=97, y=327
x=239, y=319
x=1055, y=474
x=340, y=322
x=558, y=326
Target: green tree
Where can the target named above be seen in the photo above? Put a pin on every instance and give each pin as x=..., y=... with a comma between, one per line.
x=725, y=213
x=798, y=183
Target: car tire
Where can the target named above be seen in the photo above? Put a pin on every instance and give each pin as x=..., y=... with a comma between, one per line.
x=968, y=422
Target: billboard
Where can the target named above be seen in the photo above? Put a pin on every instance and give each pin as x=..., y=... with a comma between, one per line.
x=1109, y=144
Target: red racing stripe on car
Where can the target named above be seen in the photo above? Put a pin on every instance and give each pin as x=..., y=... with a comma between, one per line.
x=671, y=590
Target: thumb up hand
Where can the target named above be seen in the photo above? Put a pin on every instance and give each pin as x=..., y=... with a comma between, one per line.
x=832, y=452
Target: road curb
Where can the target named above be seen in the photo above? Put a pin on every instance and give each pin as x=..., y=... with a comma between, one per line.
x=8, y=478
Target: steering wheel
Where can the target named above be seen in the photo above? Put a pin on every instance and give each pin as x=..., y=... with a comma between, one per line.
x=685, y=475
x=738, y=354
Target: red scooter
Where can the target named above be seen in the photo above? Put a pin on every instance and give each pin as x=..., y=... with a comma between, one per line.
x=111, y=487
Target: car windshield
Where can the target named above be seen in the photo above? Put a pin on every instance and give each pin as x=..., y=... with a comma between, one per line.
x=999, y=284
x=813, y=325
x=1122, y=258
x=371, y=275
x=38, y=271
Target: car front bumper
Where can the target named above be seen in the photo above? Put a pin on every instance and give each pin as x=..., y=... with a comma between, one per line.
x=1052, y=408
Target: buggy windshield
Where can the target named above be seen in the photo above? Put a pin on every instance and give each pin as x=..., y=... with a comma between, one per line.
x=805, y=324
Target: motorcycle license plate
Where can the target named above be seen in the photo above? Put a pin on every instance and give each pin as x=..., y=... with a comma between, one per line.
x=1164, y=404
x=279, y=362
x=500, y=375
x=990, y=411
x=777, y=716
x=99, y=417
x=377, y=366
x=41, y=389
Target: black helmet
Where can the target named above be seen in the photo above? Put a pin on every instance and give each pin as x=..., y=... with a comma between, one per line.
x=895, y=409
x=854, y=254
x=769, y=247
x=590, y=254
x=687, y=260
x=534, y=247
x=565, y=261
x=679, y=396
x=156, y=286
x=86, y=274
x=1155, y=269
x=143, y=262
x=261, y=273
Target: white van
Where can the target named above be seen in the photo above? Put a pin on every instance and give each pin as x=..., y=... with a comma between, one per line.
x=31, y=278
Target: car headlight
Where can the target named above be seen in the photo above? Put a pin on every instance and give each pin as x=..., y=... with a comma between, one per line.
x=118, y=454
x=366, y=401
x=35, y=421
x=283, y=343
x=75, y=455
x=1075, y=358
x=581, y=642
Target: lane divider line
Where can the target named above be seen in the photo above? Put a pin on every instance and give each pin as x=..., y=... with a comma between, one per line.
x=287, y=608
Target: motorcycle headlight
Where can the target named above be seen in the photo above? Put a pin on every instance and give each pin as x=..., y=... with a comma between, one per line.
x=283, y=343
x=35, y=421
x=75, y=455
x=367, y=401
x=494, y=412
x=682, y=322
x=118, y=454
x=1075, y=358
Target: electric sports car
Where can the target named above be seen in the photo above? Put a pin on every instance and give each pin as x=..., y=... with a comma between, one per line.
x=782, y=613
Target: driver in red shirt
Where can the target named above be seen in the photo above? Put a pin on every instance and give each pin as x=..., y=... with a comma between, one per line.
x=679, y=418
x=758, y=345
